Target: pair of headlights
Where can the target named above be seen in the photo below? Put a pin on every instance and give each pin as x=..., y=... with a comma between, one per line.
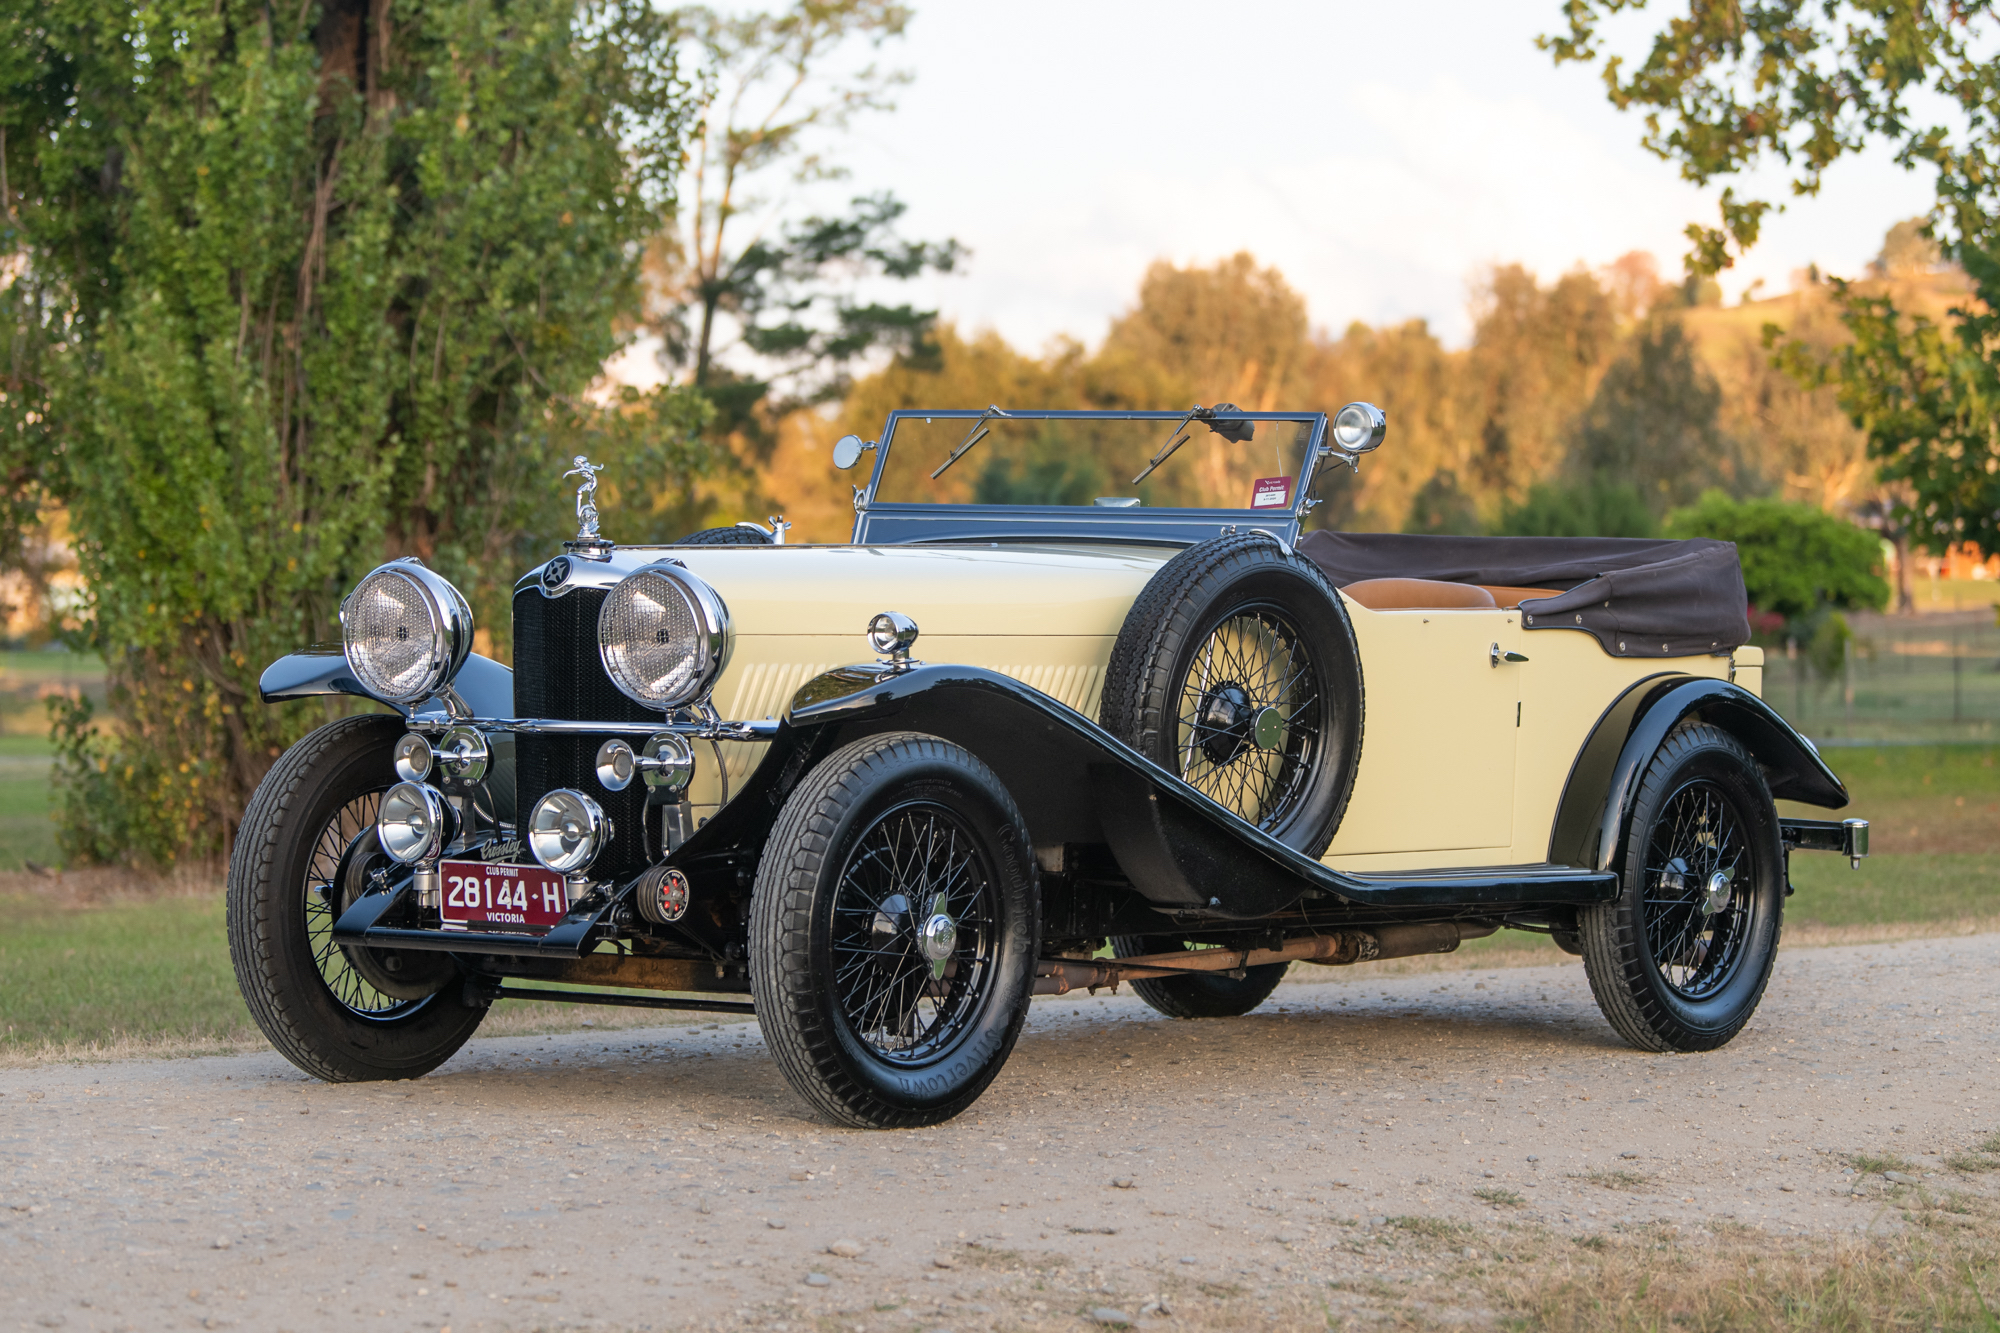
x=565, y=833
x=662, y=634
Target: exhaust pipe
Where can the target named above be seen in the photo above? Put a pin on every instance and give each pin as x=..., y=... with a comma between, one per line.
x=1060, y=976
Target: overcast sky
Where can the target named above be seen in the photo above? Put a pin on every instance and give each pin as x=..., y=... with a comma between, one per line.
x=1379, y=155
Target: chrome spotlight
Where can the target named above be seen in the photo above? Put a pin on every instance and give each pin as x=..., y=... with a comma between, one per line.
x=567, y=831
x=893, y=634
x=1359, y=428
x=412, y=823
x=413, y=758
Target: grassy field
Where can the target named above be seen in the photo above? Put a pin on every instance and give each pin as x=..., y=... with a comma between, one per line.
x=89, y=965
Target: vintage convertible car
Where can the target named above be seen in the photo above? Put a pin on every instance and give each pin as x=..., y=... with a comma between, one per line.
x=1151, y=734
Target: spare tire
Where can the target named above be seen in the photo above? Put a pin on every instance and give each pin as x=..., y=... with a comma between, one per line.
x=1236, y=671
x=738, y=534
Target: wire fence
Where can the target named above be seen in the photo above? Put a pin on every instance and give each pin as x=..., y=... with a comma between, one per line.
x=1906, y=679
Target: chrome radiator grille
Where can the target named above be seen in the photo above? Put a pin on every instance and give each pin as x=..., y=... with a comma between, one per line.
x=557, y=674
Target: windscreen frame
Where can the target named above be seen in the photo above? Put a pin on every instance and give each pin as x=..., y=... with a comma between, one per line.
x=901, y=522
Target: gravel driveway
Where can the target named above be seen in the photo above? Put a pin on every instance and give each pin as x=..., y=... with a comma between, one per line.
x=666, y=1177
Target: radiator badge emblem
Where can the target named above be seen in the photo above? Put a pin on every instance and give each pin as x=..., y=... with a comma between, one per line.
x=586, y=500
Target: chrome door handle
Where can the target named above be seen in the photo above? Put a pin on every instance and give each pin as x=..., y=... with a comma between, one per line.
x=1495, y=657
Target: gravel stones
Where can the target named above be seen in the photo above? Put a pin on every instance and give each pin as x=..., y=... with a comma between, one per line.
x=818, y=1280
x=846, y=1249
x=1106, y=1317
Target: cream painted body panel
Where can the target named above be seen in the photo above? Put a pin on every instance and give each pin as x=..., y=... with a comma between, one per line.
x=1047, y=616
x=1438, y=738
x=1462, y=763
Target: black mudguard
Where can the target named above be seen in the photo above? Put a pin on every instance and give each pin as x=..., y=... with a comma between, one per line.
x=1075, y=783
x=1597, y=802
x=486, y=687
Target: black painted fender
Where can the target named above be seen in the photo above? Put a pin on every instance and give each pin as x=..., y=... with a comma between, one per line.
x=1603, y=786
x=486, y=687
x=1076, y=783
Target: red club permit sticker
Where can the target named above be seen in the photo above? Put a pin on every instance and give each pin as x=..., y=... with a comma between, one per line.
x=1271, y=493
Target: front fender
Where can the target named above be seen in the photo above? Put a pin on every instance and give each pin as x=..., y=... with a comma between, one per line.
x=1603, y=787
x=1076, y=783
x=485, y=687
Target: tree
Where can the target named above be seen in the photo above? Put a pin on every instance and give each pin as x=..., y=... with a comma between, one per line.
x=1652, y=425
x=763, y=94
x=1535, y=360
x=1440, y=508
x=1586, y=510
x=312, y=287
x=1230, y=333
x=1802, y=84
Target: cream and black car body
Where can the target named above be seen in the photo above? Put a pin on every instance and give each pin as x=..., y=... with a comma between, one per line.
x=1081, y=704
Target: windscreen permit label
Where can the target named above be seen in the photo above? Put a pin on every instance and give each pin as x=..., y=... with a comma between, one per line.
x=1271, y=493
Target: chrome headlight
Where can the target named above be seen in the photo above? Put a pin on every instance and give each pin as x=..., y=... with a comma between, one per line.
x=664, y=636
x=405, y=632
x=567, y=831
x=412, y=822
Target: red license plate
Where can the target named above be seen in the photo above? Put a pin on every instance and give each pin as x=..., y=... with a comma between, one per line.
x=491, y=896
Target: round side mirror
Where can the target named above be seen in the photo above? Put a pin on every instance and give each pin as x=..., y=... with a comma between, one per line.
x=1358, y=428
x=847, y=450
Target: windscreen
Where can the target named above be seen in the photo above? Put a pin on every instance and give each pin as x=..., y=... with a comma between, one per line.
x=1110, y=462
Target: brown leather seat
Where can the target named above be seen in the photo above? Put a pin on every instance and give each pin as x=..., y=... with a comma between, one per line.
x=1509, y=598
x=1419, y=595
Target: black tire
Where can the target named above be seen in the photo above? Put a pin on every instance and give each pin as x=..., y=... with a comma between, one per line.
x=308, y=823
x=1243, y=609
x=835, y=967
x=1677, y=961
x=1216, y=996
x=734, y=535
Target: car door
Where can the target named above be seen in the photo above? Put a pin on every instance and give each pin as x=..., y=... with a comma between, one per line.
x=1438, y=741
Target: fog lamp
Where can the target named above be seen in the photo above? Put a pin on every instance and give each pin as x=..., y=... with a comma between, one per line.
x=412, y=822
x=567, y=831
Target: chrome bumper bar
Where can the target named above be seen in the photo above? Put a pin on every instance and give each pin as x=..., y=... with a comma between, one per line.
x=706, y=730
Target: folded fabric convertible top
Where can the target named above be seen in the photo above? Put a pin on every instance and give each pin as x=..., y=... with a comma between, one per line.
x=1638, y=597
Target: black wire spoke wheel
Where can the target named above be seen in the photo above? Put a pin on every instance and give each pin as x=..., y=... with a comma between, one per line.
x=1679, y=959
x=1249, y=716
x=913, y=933
x=332, y=875
x=1695, y=910
x=892, y=932
x=304, y=852
x=1236, y=671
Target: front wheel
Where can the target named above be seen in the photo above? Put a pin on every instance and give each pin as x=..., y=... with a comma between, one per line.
x=1679, y=959
x=893, y=929
x=302, y=856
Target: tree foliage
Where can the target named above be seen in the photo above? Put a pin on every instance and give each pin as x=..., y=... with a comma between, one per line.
x=1804, y=83
x=731, y=273
x=312, y=286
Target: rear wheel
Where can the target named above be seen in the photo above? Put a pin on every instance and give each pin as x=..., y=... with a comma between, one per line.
x=893, y=931
x=303, y=854
x=1679, y=960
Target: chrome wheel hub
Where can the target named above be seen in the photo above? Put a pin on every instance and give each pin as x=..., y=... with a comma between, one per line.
x=1715, y=894
x=938, y=938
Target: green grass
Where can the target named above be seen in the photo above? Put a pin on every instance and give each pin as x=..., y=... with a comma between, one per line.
x=1916, y=887
x=26, y=831
x=136, y=970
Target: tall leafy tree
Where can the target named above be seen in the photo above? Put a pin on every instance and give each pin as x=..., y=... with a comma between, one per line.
x=751, y=300
x=1653, y=426
x=1801, y=84
x=315, y=284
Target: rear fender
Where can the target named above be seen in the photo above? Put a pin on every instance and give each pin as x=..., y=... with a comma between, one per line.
x=1597, y=802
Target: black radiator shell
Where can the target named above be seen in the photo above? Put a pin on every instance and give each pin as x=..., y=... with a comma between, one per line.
x=558, y=674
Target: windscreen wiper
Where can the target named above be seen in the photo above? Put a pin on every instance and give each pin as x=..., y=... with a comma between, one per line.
x=979, y=431
x=1236, y=431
